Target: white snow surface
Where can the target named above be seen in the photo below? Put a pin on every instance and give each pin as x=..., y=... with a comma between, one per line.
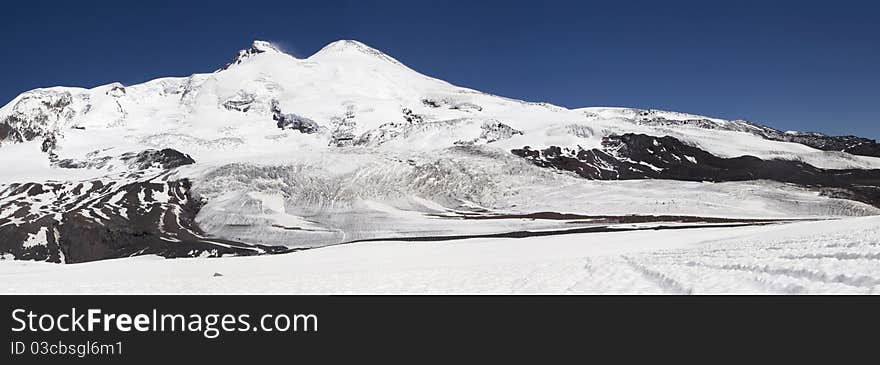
x=841, y=256
x=37, y=239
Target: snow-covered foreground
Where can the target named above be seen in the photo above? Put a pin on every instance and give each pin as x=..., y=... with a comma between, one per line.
x=840, y=256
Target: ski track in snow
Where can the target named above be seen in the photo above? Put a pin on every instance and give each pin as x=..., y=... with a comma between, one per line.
x=841, y=257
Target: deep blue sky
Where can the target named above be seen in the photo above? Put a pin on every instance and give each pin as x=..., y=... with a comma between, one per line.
x=792, y=65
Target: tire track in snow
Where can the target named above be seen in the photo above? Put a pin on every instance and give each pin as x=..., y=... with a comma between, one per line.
x=780, y=288
x=590, y=271
x=836, y=255
x=861, y=281
x=665, y=283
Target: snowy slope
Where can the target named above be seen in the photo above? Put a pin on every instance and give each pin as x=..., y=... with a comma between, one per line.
x=227, y=110
x=803, y=258
x=351, y=144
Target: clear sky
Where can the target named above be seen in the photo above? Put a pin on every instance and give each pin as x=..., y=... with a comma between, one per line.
x=793, y=65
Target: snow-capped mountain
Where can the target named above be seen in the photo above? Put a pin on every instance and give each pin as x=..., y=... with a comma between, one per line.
x=272, y=153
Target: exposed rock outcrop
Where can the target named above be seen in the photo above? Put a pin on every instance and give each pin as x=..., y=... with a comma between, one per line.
x=293, y=121
x=639, y=156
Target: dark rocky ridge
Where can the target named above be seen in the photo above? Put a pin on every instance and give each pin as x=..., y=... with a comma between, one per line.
x=242, y=102
x=165, y=158
x=256, y=48
x=293, y=121
x=437, y=103
x=87, y=223
x=19, y=128
x=603, y=219
x=136, y=213
x=27, y=123
x=849, y=144
x=5, y=131
x=639, y=156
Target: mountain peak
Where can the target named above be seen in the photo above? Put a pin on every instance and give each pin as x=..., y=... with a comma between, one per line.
x=257, y=47
x=350, y=47
x=344, y=44
x=263, y=47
